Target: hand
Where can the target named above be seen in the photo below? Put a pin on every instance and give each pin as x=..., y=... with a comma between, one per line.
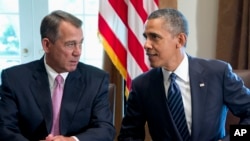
x=50, y=137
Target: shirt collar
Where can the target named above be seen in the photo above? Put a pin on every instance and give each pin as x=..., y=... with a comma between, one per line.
x=52, y=73
x=181, y=71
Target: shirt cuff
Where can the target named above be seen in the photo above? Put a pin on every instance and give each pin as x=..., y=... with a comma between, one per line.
x=76, y=139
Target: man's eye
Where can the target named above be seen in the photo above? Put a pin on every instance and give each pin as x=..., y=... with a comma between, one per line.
x=72, y=44
x=154, y=36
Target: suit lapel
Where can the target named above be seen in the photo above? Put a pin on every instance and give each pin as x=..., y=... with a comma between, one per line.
x=40, y=88
x=157, y=91
x=73, y=88
x=198, y=85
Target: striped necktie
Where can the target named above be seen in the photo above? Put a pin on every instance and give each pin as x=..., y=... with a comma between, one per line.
x=176, y=107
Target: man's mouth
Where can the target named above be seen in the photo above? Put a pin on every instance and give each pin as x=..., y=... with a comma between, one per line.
x=151, y=54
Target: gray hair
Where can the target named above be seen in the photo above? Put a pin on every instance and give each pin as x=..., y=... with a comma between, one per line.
x=50, y=24
x=175, y=21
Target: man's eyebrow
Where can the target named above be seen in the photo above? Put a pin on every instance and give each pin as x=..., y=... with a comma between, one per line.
x=152, y=34
x=70, y=41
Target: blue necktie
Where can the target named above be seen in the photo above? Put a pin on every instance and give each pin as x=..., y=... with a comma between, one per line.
x=176, y=107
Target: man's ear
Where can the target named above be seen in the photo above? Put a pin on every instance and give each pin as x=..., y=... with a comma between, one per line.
x=182, y=40
x=46, y=44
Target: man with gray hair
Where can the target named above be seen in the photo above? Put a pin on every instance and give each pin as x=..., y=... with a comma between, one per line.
x=56, y=98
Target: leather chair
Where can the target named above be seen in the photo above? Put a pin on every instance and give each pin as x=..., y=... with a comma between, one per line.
x=231, y=119
x=112, y=99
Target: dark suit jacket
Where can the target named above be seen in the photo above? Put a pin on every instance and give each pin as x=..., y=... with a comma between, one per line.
x=26, y=108
x=222, y=90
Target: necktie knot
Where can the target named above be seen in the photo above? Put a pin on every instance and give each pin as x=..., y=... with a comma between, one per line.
x=59, y=79
x=172, y=77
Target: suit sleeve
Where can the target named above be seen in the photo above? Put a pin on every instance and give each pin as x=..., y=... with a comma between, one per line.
x=237, y=96
x=8, y=112
x=133, y=123
x=100, y=127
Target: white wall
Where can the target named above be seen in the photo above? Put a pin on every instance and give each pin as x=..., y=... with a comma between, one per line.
x=202, y=18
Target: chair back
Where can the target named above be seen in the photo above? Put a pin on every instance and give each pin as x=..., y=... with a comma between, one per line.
x=112, y=99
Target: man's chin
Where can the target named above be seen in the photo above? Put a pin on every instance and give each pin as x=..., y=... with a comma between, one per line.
x=154, y=65
x=71, y=69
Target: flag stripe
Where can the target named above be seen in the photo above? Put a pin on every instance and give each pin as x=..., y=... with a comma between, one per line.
x=114, y=43
x=138, y=4
x=136, y=51
x=120, y=26
x=135, y=30
x=120, y=9
x=157, y=3
x=136, y=26
x=114, y=22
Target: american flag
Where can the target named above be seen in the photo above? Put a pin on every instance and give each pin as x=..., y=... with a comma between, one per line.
x=120, y=25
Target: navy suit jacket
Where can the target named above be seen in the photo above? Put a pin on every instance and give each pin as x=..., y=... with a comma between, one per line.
x=222, y=90
x=26, y=107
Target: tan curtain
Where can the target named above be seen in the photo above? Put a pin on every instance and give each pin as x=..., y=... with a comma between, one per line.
x=233, y=33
